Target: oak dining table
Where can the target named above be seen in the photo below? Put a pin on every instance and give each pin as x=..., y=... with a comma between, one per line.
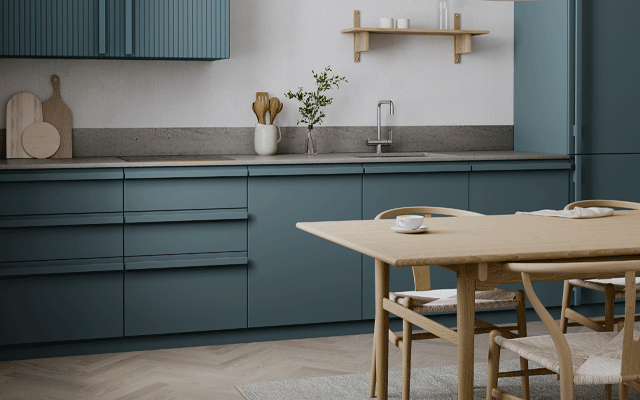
x=475, y=248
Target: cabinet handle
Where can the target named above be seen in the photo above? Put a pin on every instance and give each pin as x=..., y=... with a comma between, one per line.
x=61, y=267
x=185, y=261
x=102, y=27
x=128, y=27
x=61, y=220
x=577, y=130
x=149, y=217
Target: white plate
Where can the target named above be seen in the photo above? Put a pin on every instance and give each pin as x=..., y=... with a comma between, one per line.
x=398, y=229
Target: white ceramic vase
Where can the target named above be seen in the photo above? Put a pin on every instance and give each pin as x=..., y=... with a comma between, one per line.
x=266, y=139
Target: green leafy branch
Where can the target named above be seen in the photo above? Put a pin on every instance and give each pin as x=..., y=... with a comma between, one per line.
x=312, y=102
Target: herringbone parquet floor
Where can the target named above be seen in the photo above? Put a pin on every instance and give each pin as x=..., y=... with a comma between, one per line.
x=210, y=372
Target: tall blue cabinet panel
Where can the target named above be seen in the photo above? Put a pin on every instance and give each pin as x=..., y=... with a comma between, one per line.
x=115, y=29
x=294, y=277
x=505, y=188
x=387, y=186
x=610, y=176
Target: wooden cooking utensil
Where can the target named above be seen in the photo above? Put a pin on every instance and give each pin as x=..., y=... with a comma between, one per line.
x=41, y=140
x=264, y=97
x=23, y=110
x=55, y=112
x=253, y=107
x=274, y=108
x=261, y=111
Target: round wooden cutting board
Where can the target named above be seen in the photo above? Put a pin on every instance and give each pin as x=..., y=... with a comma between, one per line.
x=40, y=140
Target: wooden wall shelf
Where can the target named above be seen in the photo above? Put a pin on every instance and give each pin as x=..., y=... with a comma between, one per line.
x=461, y=41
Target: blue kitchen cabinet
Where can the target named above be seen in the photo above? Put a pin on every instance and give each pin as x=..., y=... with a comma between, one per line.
x=508, y=187
x=120, y=29
x=387, y=186
x=61, y=263
x=185, y=249
x=610, y=176
x=297, y=278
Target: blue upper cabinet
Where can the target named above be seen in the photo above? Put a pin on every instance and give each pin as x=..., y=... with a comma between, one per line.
x=135, y=29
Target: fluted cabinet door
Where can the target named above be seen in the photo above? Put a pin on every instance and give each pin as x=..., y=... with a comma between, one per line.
x=115, y=29
x=49, y=28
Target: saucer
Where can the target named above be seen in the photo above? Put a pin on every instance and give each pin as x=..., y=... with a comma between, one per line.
x=398, y=229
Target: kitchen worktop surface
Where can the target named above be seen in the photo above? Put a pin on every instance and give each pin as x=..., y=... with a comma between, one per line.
x=279, y=159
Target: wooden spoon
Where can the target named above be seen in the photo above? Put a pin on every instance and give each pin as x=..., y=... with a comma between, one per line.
x=261, y=111
x=253, y=107
x=274, y=108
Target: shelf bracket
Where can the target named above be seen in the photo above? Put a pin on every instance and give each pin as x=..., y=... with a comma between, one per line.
x=461, y=43
x=360, y=39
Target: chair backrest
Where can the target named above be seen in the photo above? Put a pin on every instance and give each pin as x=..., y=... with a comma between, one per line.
x=603, y=203
x=422, y=274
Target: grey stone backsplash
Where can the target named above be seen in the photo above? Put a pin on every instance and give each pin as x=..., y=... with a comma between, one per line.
x=98, y=142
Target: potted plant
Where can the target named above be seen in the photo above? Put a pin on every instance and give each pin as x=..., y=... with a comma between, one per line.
x=312, y=102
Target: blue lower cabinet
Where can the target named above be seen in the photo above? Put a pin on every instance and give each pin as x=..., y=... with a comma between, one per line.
x=61, y=307
x=606, y=176
x=60, y=237
x=505, y=188
x=389, y=186
x=295, y=277
x=185, y=293
x=178, y=232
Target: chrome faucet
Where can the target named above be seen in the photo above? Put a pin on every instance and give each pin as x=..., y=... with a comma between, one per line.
x=379, y=143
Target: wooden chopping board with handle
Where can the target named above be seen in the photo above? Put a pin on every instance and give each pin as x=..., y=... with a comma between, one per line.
x=55, y=112
x=23, y=110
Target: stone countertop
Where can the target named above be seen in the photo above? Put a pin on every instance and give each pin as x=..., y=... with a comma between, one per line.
x=279, y=159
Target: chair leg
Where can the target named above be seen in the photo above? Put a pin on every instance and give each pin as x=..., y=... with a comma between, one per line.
x=521, y=311
x=623, y=392
x=407, y=330
x=566, y=303
x=372, y=384
x=609, y=297
x=494, y=364
x=608, y=392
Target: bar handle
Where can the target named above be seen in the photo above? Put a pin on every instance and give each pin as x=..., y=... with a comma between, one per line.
x=128, y=27
x=102, y=27
x=577, y=128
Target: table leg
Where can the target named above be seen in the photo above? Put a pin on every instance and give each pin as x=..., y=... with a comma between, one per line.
x=381, y=335
x=466, y=284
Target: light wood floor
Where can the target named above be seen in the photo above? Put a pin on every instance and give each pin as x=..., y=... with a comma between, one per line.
x=211, y=372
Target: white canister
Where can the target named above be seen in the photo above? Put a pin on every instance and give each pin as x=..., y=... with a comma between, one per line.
x=386, y=22
x=266, y=139
x=402, y=23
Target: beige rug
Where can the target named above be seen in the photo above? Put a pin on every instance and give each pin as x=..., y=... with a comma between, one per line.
x=438, y=383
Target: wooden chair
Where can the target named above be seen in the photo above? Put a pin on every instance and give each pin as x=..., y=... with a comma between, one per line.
x=612, y=288
x=590, y=358
x=423, y=300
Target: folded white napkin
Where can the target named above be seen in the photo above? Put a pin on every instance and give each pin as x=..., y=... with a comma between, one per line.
x=578, y=212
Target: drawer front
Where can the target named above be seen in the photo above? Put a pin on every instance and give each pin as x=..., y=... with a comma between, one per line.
x=47, y=308
x=185, y=237
x=55, y=192
x=185, y=300
x=182, y=189
x=60, y=242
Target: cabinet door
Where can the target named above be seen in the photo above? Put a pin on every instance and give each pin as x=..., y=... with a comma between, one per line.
x=609, y=176
x=189, y=29
x=295, y=277
x=504, y=188
x=49, y=28
x=402, y=185
x=56, y=307
x=185, y=293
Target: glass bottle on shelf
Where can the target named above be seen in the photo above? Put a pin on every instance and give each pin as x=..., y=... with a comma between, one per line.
x=443, y=14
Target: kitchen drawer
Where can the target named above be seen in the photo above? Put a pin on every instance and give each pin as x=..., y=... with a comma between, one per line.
x=61, y=237
x=192, y=188
x=60, y=192
x=181, y=232
x=200, y=293
x=47, y=308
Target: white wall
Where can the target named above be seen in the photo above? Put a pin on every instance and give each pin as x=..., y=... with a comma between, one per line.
x=274, y=46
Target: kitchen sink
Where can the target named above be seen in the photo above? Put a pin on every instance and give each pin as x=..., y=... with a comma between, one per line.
x=211, y=157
